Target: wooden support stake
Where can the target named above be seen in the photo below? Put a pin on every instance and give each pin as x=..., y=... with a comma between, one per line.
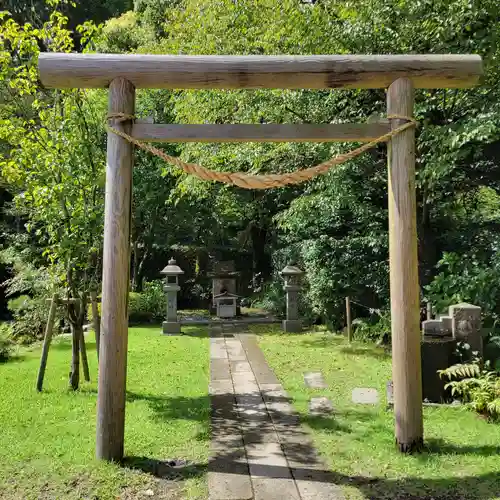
x=405, y=311
x=429, y=310
x=96, y=320
x=49, y=329
x=83, y=354
x=116, y=263
x=348, y=318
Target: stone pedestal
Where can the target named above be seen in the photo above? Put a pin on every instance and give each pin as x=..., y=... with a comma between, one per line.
x=171, y=327
x=292, y=323
x=172, y=272
x=172, y=324
x=437, y=354
x=291, y=275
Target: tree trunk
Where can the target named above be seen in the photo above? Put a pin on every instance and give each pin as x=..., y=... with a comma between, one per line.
x=261, y=260
x=74, y=374
x=135, y=265
x=140, y=272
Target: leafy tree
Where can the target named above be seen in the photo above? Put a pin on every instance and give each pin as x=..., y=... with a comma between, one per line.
x=55, y=162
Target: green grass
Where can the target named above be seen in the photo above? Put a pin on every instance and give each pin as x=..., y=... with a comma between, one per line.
x=463, y=456
x=47, y=440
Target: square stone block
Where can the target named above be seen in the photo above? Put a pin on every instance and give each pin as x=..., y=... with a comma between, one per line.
x=171, y=327
x=320, y=407
x=314, y=380
x=365, y=395
x=292, y=325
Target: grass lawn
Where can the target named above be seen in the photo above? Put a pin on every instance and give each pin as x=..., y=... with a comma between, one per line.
x=47, y=440
x=463, y=456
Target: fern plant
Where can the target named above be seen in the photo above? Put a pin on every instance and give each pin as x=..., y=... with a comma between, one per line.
x=476, y=385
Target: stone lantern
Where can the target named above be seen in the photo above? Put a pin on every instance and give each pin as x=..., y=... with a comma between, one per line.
x=291, y=275
x=172, y=272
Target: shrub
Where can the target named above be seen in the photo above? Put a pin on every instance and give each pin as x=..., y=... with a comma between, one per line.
x=30, y=317
x=478, y=387
x=6, y=343
x=147, y=306
x=376, y=328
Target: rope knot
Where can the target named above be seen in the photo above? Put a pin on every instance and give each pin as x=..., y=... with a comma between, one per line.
x=120, y=117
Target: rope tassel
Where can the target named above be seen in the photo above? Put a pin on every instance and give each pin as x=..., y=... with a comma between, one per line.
x=264, y=181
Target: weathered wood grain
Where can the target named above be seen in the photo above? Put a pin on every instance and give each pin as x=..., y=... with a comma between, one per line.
x=290, y=132
x=63, y=70
x=405, y=312
x=116, y=260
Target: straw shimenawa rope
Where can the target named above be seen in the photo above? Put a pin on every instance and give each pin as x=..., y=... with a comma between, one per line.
x=250, y=181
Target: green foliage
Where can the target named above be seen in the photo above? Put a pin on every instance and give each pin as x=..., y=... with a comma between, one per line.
x=29, y=318
x=150, y=305
x=477, y=386
x=6, y=344
x=271, y=298
x=473, y=277
x=376, y=328
x=29, y=288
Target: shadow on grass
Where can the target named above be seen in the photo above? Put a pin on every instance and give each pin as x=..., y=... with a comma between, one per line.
x=170, y=469
x=169, y=408
x=64, y=344
x=372, y=352
x=13, y=358
x=440, y=446
x=230, y=458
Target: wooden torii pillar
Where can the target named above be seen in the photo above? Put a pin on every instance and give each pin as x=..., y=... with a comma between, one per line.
x=123, y=73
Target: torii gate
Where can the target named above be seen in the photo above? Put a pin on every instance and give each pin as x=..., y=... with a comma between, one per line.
x=124, y=73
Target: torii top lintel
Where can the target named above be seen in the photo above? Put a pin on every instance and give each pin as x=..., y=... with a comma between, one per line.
x=61, y=70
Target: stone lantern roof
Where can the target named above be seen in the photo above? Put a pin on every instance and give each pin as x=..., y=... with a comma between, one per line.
x=290, y=270
x=172, y=269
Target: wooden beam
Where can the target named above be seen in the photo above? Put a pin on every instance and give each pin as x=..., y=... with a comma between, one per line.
x=340, y=132
x=116, y=261
x=63, y=70
x=403, y=261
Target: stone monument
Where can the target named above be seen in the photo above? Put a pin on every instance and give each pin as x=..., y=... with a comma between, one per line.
x=291, y=275
x=172, y=272
x=439, y=340
x=224, y=286
x=466, y=325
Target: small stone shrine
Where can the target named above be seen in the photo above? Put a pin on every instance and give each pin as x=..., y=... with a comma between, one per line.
x=291, y=275
x=226, y=305
x=172, y=272
x=224, y=286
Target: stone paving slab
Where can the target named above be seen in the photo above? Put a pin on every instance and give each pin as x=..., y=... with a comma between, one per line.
x=218, y=350
x=320, y=406
x=235, y=350
x=365, y=395
x=271, y=476
x=261, y=369
x=240, y=366
x=229, y=480
x=219, y=369
x=314, y=380
x=258, y=450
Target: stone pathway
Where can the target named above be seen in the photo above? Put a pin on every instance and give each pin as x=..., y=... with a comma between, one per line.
x=259, y=450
